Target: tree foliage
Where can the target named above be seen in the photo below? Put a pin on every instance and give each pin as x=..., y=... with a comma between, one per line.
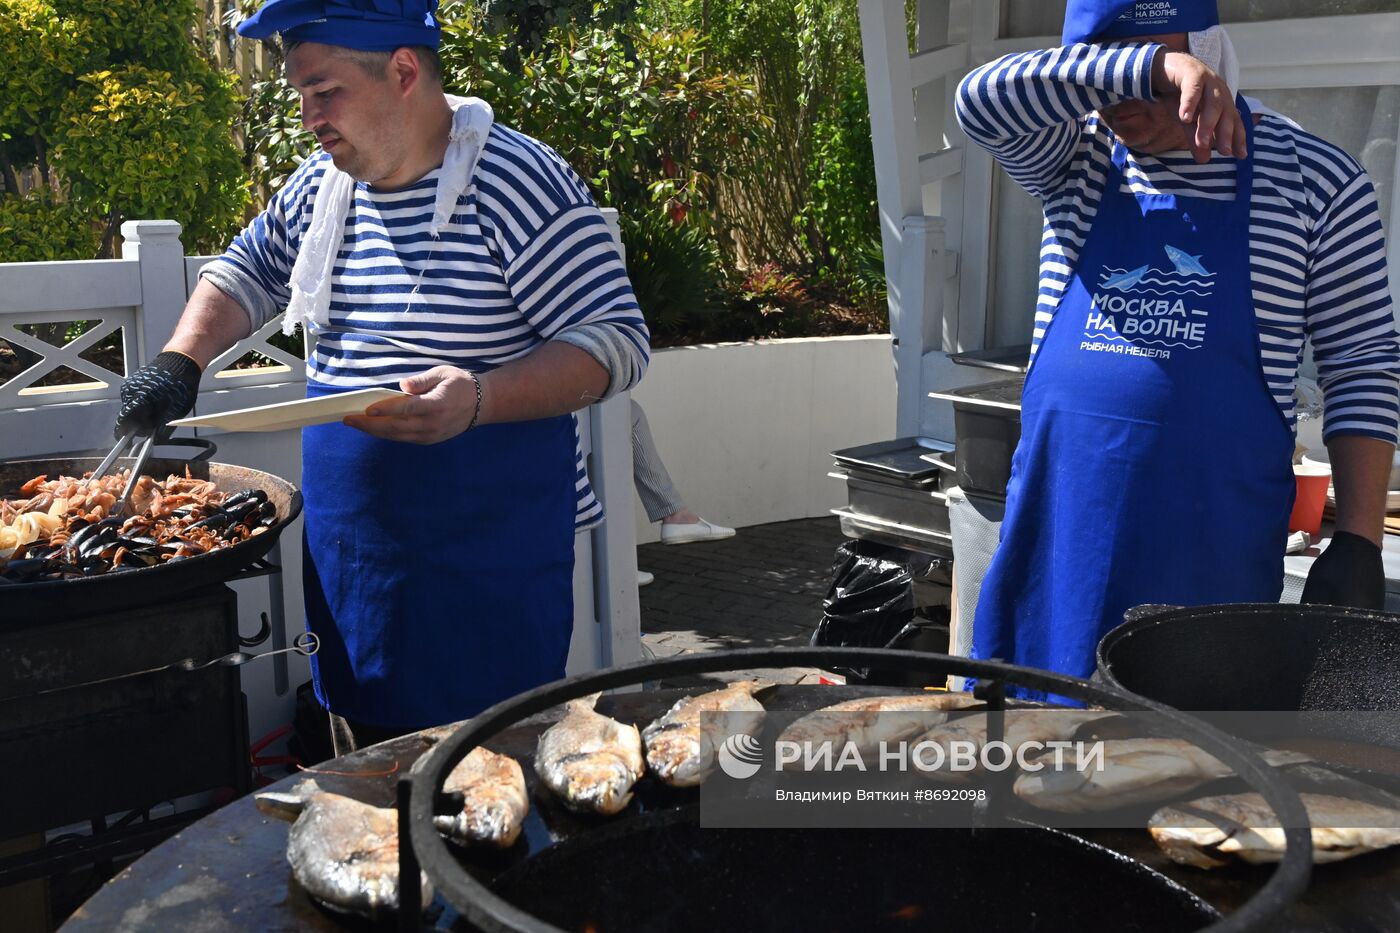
x=112, y=112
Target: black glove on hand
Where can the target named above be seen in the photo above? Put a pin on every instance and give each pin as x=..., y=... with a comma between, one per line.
x=1348, y=573
x=158, y=392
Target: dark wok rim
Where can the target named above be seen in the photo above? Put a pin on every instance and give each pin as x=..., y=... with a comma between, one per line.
x=208, y=568
x=489, y=912
x=1142, y=618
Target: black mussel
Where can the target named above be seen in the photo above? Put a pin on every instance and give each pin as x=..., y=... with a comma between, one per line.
x=92, y=566
x=96, y=544
x=79, y=537
x=214, y=522
x=244, y=509
x=268, y=521
x=245, y=495
x=28, y=569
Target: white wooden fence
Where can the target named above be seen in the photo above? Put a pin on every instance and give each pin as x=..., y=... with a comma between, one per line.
x=142, y=295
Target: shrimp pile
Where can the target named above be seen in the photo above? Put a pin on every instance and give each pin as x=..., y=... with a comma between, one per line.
x=65, y=527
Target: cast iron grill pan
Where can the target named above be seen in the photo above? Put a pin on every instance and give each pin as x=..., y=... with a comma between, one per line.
x=146, y=585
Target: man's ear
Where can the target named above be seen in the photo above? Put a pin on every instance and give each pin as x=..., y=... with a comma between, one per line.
x=405, y=70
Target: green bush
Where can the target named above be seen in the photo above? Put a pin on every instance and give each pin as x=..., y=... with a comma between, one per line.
x=137, y=138
x=637, y=113
x=645, y=121
x=676, y=273
x=39, y=53
x=274, y=141
x=110, y=103
x=38, y=228
x=809, y=201
x=842, y=213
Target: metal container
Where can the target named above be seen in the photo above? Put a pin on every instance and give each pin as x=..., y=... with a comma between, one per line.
x=1273, y=659
x=920, y=505
x=987, y=424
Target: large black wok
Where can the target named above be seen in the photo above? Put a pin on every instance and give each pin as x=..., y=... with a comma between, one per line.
x=130, y=588
x=1339, y=667
x=657, y=868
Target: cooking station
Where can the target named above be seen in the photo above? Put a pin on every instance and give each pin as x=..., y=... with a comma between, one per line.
x=120, y=691
x=653, y=867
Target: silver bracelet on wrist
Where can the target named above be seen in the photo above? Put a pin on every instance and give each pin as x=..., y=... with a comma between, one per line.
x=476, y=379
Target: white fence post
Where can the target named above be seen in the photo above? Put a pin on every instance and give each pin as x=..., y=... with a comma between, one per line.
x=615, y=540
x=155, y=244
x=916, y=318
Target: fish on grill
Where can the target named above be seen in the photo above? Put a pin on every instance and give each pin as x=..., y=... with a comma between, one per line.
x=681, y=745
x=1215, y=831
x=869, y=721
x=1020, y=727
x=494, y=804
x=343, y=852
x=590, y=761
x=1130, y=772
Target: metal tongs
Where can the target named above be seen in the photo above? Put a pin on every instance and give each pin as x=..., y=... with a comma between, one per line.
x=131, y=439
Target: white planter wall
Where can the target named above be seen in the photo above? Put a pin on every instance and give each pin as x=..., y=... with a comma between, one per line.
x=745, y=429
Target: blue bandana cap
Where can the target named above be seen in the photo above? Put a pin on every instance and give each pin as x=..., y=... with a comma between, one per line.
x=1098, y=20
x=367, y=25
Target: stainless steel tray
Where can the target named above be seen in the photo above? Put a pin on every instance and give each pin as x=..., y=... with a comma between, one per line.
x=901, y=458
x=922, y=508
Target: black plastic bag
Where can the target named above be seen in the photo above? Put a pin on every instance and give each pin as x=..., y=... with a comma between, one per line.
x=870, y=604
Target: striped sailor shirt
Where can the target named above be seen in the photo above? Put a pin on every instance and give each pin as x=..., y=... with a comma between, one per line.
x=526, y=257
x=1317, y=249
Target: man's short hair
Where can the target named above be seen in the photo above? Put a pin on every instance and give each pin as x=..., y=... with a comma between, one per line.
x=376, y=64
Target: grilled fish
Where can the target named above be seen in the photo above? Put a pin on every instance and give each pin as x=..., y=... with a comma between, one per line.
x=1134, y=771
x=871, y=720
x=343, y=852
x=590, y=761
x=495, y=800
x=1214, y=831
x=1020, y=726
x=681, y=744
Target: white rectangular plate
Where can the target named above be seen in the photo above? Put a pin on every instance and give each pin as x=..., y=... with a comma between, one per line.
x=301, y=413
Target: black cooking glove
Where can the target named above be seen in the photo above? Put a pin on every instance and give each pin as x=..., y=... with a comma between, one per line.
x=158, y=392
x=1348, y=573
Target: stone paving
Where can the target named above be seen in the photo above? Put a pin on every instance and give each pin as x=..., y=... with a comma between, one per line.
x=762, y=588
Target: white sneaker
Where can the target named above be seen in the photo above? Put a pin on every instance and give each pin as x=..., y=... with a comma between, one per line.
x=702, y=530
x=643, y=578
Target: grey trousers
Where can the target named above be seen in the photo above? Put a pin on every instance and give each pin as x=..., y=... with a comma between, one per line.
x=654, y=486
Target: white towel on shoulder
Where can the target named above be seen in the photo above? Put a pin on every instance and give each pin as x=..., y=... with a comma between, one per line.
x=315, y=262
x=1213, y=46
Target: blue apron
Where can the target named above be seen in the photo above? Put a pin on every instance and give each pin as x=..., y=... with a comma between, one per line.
x=1154, y=465
x=439, y=578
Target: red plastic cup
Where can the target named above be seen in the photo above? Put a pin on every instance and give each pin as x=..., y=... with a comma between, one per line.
x=1313, y=481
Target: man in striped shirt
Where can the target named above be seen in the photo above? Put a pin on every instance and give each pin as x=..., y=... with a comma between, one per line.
x=433, y=251
x=1191, y=243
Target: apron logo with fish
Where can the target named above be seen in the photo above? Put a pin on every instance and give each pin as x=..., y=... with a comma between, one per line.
x=1150, y=312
